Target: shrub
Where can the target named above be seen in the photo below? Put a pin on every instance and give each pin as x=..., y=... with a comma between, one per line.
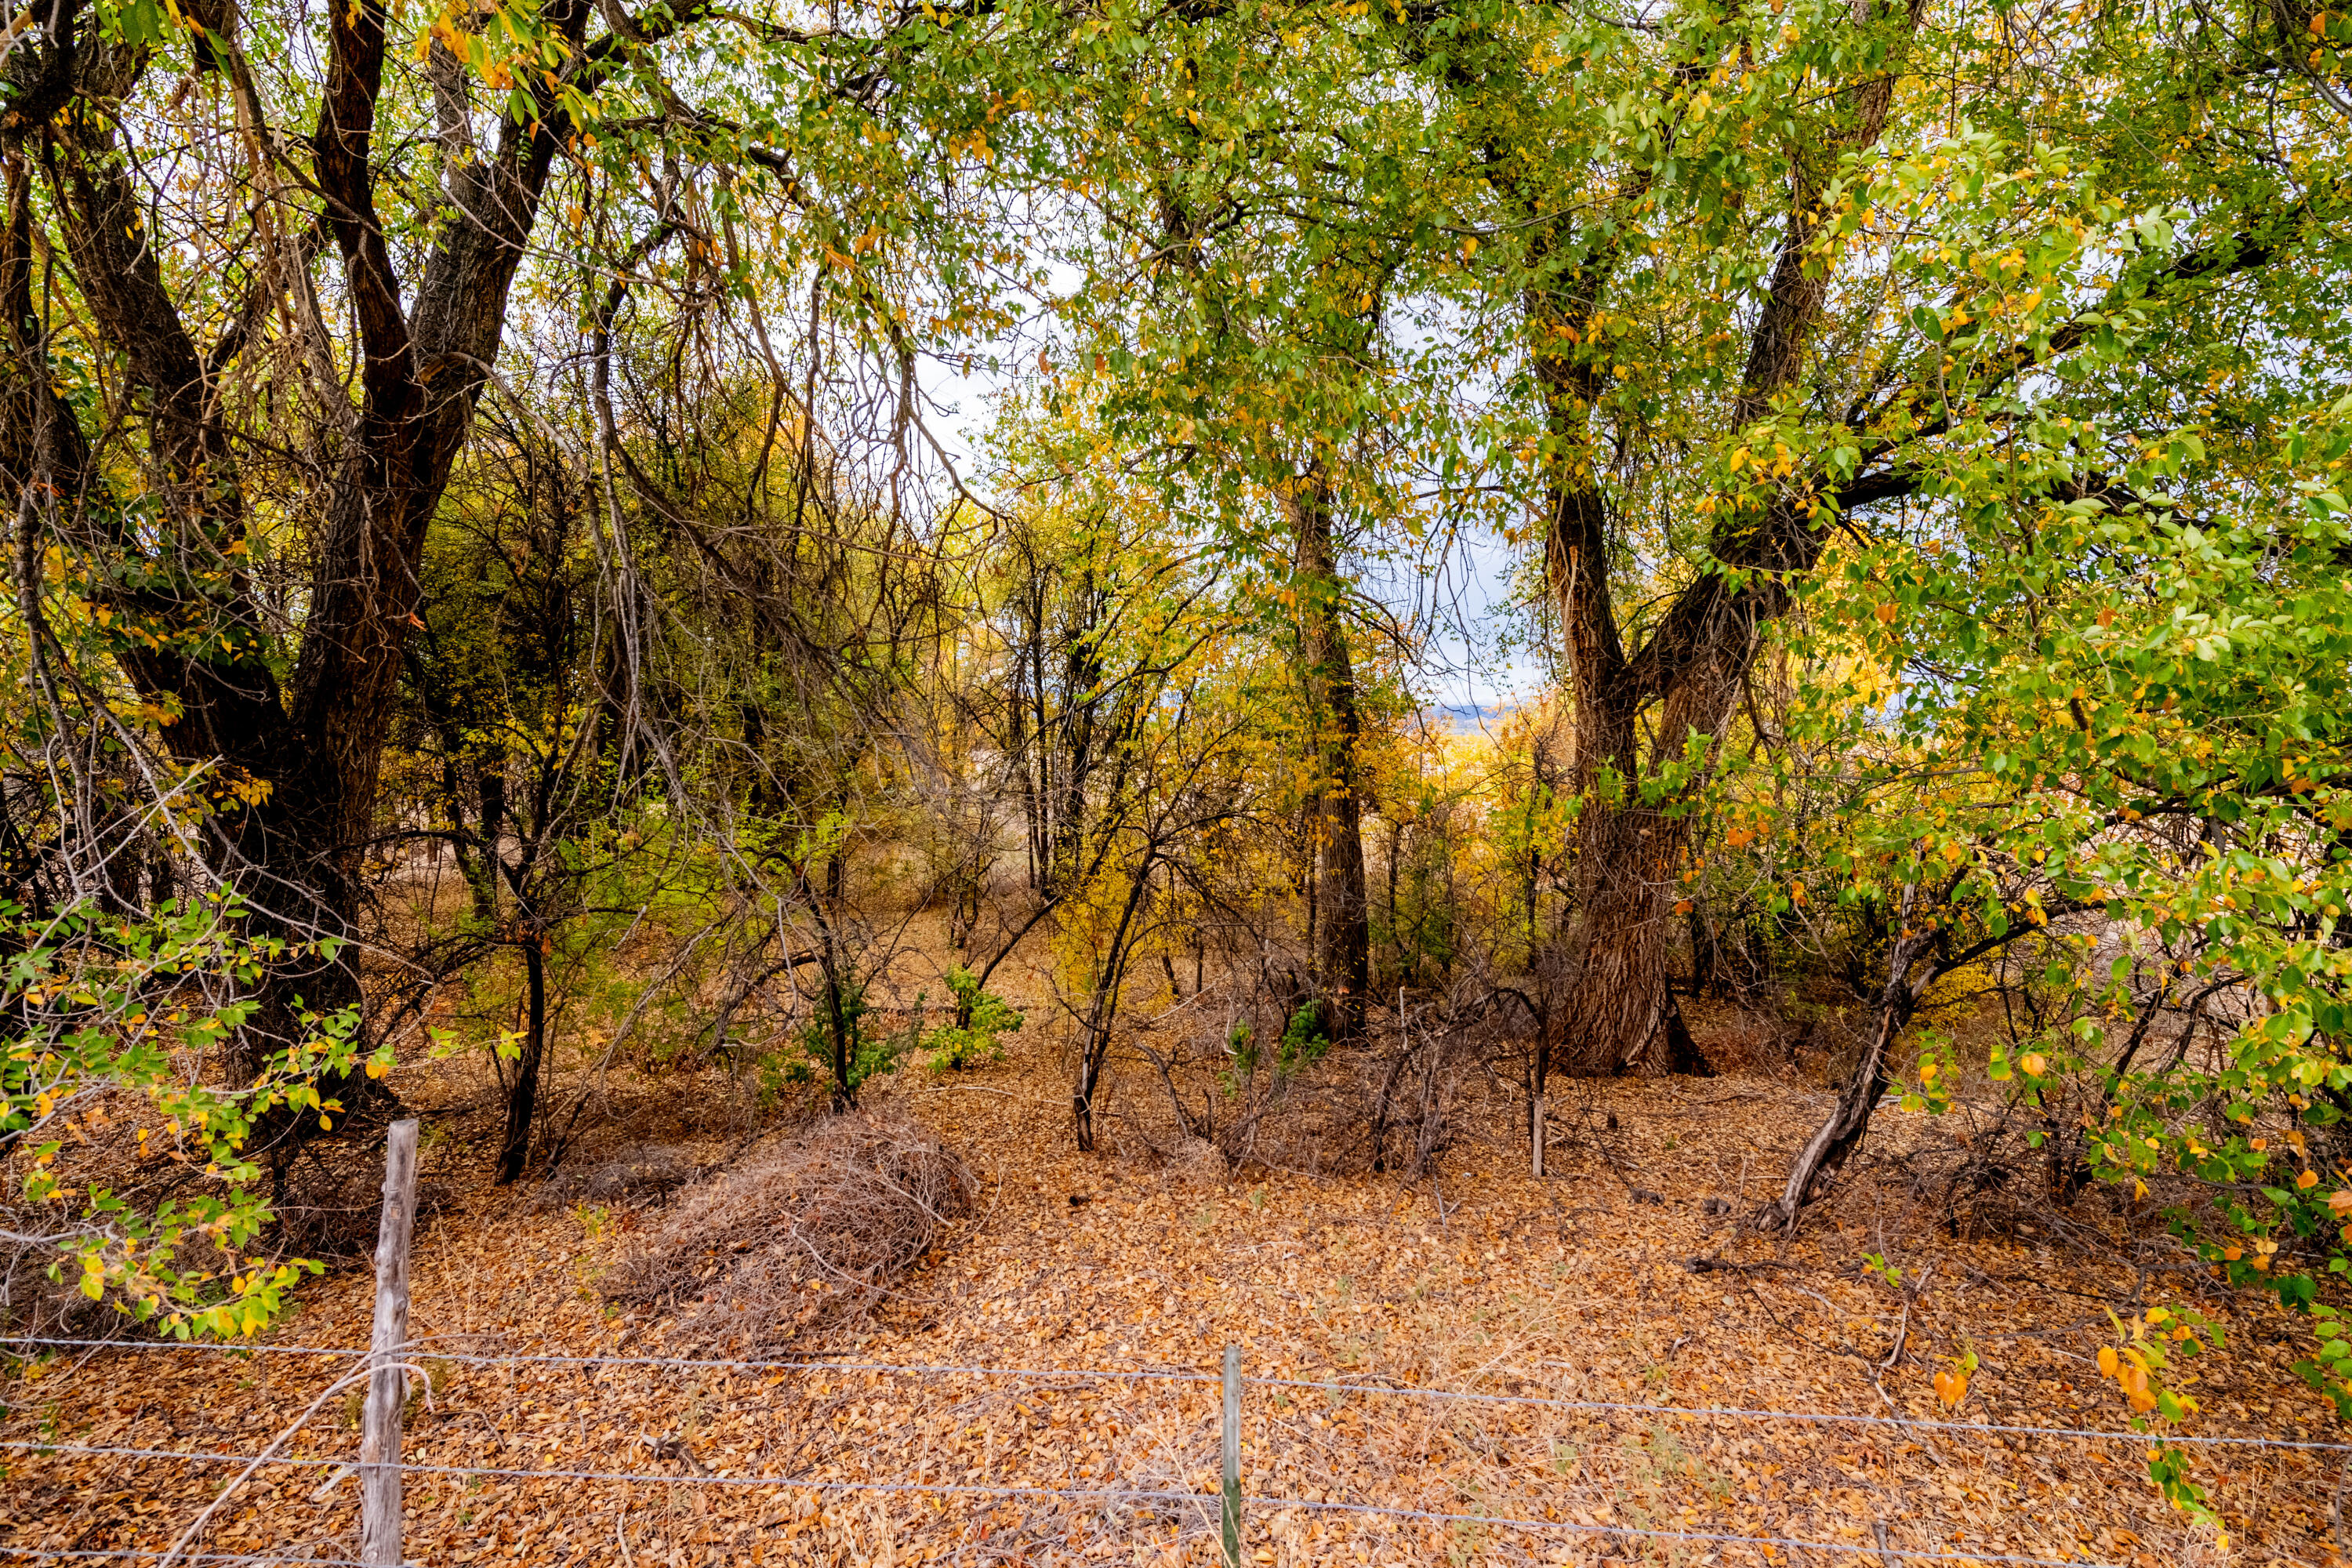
x=836, y=1048
x=111, y=1019
x=975, y=1040
x=1304, y=1040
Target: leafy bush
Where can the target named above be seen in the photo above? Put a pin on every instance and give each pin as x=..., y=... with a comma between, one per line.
x=836, y=1047
x=1304, y=1040
x=113, y=1017
x=974, y=1041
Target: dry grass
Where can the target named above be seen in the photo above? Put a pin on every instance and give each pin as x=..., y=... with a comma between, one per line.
x=803, y=1231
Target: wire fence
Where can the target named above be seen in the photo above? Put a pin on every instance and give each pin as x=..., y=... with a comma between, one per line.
x=1822, y=1417
x=1625, y=1479
x=75, y=1555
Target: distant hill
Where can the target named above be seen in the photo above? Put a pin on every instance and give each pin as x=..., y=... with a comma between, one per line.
x=1468, y=718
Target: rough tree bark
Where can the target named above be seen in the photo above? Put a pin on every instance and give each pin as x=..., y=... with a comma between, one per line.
x=1684, y=681
x=315, y=739
x=1343, y=916
x=1615, y=1011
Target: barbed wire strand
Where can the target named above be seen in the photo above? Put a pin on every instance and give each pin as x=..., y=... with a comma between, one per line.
x=1817, y=1419
x=418, y=1349
x=1686, y=1412
x=288, y=1558
x=1107, y=1494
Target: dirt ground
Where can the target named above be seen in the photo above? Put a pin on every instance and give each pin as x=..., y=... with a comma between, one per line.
x=1677, y=1353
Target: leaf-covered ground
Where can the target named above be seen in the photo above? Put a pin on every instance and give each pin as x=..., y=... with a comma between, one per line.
x=1368, y=1292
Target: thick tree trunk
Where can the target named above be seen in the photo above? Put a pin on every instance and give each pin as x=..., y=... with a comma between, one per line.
x=1342, y=940
x=316, y=741
x=1629, y=852
x=1628, y=859
x=1615, y=1006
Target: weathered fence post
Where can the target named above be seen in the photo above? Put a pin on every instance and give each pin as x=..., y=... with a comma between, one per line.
x=1536, y=1119
x=1232, y=1457
x=380, y=1426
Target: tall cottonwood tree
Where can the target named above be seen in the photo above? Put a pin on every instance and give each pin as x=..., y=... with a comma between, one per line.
x=1236, y=253
x=1777, y=274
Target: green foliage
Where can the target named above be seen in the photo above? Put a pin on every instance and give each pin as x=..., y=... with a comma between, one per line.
x=1241, y=1060
x=116, y=1018
x=974, y=1041
x=1304, y=1040
x=837, y=1049
x=2196, y=676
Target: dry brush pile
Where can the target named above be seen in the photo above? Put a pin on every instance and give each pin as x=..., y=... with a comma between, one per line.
x=803, y=1231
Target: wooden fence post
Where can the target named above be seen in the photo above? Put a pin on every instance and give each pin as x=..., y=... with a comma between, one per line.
x=1232, y=1457
x=387, y=1385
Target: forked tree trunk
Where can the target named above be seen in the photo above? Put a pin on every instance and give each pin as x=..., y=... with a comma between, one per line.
x=1686, y=676
x=1617, y=1013
x=313, y=732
